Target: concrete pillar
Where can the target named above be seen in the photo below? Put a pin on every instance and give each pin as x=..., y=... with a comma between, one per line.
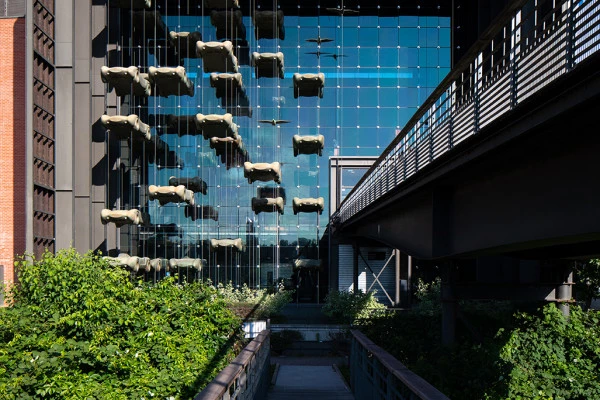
x=355, y=251
x=82, y=121
x=449, y=305
x=408, y=281
x=64, y=113
x=398, y=277
x=564, y=291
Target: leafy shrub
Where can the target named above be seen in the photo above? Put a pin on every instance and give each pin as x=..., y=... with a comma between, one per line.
x=533, y=356
x=340, y=342
x=429, y=297
x=587, y=285
x=284, y=339
x=350, y=307
x=463, y=371
x=552, y=357
x=79, y=328
x=254, y=303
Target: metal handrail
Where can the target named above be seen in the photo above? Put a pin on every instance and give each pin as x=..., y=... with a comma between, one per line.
x=242, y=379
x=529, y=45
x=377, y=374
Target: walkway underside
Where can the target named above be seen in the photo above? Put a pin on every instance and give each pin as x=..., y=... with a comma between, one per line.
x=527, y=183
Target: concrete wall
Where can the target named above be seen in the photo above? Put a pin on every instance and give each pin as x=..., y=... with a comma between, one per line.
x=81, y=46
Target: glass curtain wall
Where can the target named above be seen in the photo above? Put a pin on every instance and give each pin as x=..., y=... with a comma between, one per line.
x=378, y=67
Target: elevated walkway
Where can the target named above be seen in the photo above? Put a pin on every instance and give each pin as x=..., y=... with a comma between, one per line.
x=305, y=370
x=500, y=159
x=308, y=378
x=373, y=374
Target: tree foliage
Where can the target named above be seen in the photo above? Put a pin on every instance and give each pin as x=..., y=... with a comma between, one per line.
x=552, y=357
x=79, y=328
x=463, y=371
x=429, y=296
x=255, y=303
x=541, y=355
x=587, y=285
x=350, y=307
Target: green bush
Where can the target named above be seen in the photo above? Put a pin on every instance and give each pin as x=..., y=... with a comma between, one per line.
x=529, y=356
x=340, y=342
x=463, y=371
x=552, y=357
x=284, y=339
x=350, y=307
x=429, y=297
x=255, y=303
x=587, y=282
x=79, y=328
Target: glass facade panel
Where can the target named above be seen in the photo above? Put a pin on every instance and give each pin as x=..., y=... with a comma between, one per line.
x=349, y=179
x=378, y=69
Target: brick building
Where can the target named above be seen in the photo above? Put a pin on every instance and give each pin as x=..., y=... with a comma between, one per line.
x=12, y=139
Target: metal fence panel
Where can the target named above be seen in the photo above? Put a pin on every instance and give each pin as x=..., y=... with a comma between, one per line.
x=375, y=374
x=247, y=377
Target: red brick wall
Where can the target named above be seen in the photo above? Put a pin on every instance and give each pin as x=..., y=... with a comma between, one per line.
x=12, y=142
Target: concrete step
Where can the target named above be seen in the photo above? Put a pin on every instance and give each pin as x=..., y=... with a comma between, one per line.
x=308, y=382
x=308, y=394
x=308, y=349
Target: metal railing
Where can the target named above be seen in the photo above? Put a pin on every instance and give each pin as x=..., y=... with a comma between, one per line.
x=247, y=377
x=376, y=374
x=531, y=44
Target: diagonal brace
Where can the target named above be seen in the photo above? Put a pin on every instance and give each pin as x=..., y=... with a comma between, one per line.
x=377, y=276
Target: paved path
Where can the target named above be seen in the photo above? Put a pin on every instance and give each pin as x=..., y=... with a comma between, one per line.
x=319, y=361
x=308, y=382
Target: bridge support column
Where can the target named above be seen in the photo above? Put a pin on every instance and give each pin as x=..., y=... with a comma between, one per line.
x=355, y=251
x=409, y=282
x=398, y=277
x=564, y=291
x=449, y=305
